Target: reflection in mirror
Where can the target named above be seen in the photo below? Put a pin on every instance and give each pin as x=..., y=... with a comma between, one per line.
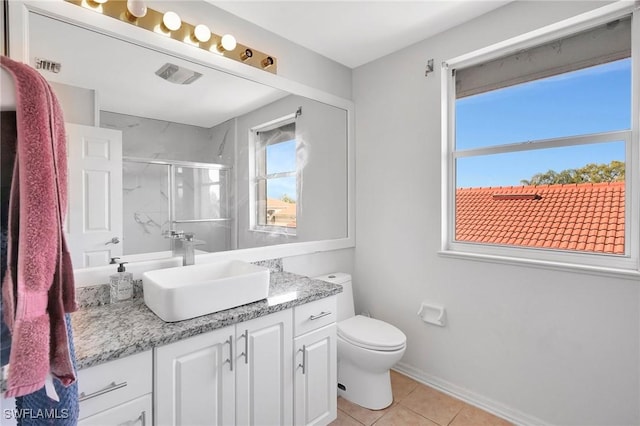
x=164, y=144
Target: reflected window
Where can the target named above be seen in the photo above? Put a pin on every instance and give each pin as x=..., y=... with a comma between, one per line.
x=276, y=177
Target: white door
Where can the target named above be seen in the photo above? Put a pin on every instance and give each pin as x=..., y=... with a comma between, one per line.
x=195, y=380
x=315, y=377
x=94, y=221
x=264, y=393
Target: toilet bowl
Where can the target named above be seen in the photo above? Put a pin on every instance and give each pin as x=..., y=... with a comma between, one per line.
x=367, y=349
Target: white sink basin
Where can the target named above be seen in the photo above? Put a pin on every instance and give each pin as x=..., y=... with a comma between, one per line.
x=176, y=294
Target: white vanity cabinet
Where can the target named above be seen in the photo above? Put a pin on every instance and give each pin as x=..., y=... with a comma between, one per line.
x=235, y=375
x=264, y=393
x=195, y=380
x=315, y=376
x=117, y=392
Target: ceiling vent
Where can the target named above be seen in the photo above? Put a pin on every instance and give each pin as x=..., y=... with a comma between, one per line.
x=177, y=75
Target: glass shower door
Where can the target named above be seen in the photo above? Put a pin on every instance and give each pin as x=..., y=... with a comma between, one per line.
x=201, y=204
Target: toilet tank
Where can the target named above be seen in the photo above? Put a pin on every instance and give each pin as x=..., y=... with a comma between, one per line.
x=345, y=299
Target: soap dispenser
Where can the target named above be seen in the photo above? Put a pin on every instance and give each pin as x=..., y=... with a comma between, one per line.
x=121, y=285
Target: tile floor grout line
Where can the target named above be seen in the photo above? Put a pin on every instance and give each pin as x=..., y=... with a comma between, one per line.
x=454, y=417
x=348, y=415
x=424, y=417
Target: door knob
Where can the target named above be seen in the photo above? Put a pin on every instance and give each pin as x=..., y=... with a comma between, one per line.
x=114, y=240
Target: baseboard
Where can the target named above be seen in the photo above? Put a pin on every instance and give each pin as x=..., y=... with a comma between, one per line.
x=486, y=404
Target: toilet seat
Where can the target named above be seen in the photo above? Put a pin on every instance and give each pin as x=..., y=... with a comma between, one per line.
x=370, y=333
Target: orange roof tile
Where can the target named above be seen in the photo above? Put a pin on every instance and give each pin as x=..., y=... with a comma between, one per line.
x=585, y=217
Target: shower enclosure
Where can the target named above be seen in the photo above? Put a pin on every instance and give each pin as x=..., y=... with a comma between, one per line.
x=164, y=195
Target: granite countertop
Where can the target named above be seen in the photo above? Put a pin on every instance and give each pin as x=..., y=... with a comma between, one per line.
x=104, y=333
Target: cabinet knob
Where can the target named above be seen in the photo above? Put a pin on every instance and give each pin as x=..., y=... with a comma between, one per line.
x=320, y=315
x=246, y=346
x=304, y=359
x=142, y=419
x=230, y=359
x=109, y=388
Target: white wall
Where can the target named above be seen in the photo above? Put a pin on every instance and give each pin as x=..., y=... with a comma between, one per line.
x=320, y=263
x=535, y=345
x=78, y=104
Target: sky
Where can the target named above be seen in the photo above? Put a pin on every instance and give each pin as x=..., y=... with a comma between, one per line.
x=592, y=100
x=281, y=157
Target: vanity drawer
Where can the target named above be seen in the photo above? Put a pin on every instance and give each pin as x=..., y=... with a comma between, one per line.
x=133, y=413
x=314, y=315
x=114, y=382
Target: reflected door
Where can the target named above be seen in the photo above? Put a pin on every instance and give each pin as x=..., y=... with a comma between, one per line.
x=94, y=221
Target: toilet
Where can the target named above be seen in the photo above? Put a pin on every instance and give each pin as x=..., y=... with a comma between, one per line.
x=367, y=349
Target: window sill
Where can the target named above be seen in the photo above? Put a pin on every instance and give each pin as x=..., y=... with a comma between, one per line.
x=628, y=274
x=276, y=231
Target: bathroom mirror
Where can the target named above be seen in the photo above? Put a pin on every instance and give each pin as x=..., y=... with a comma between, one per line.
x=242, y=164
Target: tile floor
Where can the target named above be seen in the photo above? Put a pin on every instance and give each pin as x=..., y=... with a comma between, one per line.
x=416, y=404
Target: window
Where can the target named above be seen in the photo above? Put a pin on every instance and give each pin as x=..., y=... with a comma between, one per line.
x=276, y=174
x=540, y=151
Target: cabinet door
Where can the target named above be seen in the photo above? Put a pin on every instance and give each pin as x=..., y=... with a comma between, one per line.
x=195, y=380
x=132, y=413
x=315, y=377
x=264, y=378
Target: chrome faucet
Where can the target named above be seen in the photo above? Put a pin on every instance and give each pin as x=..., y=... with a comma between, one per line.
x=183, y=244
x=188, y=249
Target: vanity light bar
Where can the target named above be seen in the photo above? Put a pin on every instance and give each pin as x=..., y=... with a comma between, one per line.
x=152, y=20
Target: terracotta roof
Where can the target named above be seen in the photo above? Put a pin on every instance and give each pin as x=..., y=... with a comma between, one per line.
x=284, y=213
x=583, y=217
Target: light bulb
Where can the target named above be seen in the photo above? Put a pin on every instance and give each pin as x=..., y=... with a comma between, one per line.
x=136, y=8
x=100, y=1
x=228, y=42
x=171, y=21
x=202, y=33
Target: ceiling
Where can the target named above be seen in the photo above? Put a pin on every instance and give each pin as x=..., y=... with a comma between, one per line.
x=356, y=32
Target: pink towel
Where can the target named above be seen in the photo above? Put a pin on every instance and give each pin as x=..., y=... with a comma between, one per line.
x=38, y=287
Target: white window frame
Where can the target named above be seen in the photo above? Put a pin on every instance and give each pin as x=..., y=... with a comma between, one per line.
x=627, y=265
x=253, y=181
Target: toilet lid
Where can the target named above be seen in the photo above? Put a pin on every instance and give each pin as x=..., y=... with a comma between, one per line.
x=370, y=333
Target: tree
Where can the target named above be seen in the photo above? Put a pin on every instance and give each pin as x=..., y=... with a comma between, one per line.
x=287, y=199
x=591, y=173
